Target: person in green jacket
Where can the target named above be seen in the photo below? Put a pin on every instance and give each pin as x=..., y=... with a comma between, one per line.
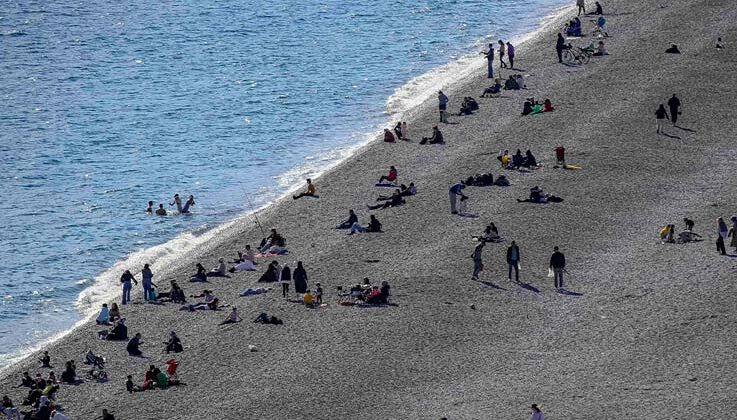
x=161, y=380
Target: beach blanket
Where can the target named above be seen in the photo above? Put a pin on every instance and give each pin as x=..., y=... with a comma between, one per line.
x=384, y=184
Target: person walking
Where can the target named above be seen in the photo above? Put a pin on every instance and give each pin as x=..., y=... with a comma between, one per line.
x=442, y=104
x=502, y=49
x=490, y=61
x=510, y=54
x=478, y=265
x=660, y=115
x=147, y=277
x=536, y=413
x=126, y=280
x=733, y=233
x=455, y=191
x=560, y=45
x=675, y=108
x=300, y=278
x=722, y=233
x=286, y=279
x=513, y=258
x=581, y=6
x=558, y=265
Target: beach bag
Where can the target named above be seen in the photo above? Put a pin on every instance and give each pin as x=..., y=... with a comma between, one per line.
x=550, y=271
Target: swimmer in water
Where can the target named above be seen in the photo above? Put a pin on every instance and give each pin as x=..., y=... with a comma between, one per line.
x=150, y=208
x=187, y=205
x=161, y=211
x=178, y=202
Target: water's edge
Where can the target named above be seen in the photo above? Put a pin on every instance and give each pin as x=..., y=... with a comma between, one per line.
x=403, y=104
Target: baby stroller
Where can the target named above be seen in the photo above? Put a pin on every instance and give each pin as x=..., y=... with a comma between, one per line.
x=98, y=366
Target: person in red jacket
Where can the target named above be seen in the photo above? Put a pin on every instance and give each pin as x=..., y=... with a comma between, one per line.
x=392, y=175
x=560, y=155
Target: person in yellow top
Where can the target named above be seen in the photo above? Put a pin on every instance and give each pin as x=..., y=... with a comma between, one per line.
x=308, y=299
x=310, y=190
x=504, y=158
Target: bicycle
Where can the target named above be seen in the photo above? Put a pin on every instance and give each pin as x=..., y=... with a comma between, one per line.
x=579, y=55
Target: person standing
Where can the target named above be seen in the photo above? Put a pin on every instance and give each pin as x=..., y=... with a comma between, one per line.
x=442, y=105
x=581, y=6
x=190, y=202
x=510, y=54
x=558, y=265
x=560, y=45
x=455, y=191
x=675, y=108
x=660, y=115
x=502, y=49
x=513, y=258
x=147, y=277
x=490, y=61
x=733, y=233
x=286, y=278
x=178, y=202
x=536, y=413
x=126, y=280
x=722, y=233
x=300, y=278
x=477, y=263
x=560, y=156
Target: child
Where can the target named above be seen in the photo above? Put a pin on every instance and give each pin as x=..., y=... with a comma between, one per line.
x=318, y=294
x=462, y=206
x=130, y=386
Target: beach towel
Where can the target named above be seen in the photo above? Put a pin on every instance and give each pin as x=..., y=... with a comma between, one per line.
x=537, y=109
x=572, y=166
x=385, y=184
x=270, y=254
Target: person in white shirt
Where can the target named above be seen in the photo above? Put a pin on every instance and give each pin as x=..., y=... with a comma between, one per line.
x=536, y=413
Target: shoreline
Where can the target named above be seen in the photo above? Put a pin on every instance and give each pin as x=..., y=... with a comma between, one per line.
x=469, y=64
x=642, y=329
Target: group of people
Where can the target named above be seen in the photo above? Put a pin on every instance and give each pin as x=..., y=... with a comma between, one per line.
x=532, y=107
x=674, y=105
x=667, y=233
x=505, y=49
x=518, y=160
x=161, y=211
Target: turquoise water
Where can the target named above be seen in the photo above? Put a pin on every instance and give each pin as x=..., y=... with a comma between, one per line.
x=106, y=105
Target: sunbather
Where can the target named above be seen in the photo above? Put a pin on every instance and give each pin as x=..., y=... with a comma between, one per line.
x=437, y=137
x=395, y=201
x=352, y=218
x=391, y=177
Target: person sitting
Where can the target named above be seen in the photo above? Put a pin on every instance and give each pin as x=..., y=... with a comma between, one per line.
x=162, y=381
x=130, y=386
x=271, y=240
x=391, y=177
x=352, y=218
x=310, y=192
x=201, y=275
x=673, y=49
x=403, y=191
x=601, y=49
x=69, y=376
x=244, y=265
x=527, y=108
x=209, y=302
x=520, y=81
x=119, y=332
x=688, y=236
x=175, y=293
x=518, y=160
x=388, y=136
x=133, y=346
x=104, y=317
x=536, y=196
x=491, y=234
x=379, y=296
x=174, y=344
x=114, y=312
x=468, y=106
x=270, y=275
x=374, y=226
x=308, y=299
x=598, y=9
x=45, y=360
x=511, y=84
x=547, y=106
x=232, y=318
x=530, y=160
x=395, y=201
x=219, y=271
x=493, y=90
x=26, y=380
x=480, y=180
x=666, y=234
x=504, y=159
x=437, y=137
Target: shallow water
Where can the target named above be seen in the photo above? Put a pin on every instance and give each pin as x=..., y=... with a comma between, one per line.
x=106, y=105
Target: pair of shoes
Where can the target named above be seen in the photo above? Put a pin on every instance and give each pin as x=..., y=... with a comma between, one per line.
x=454, y=212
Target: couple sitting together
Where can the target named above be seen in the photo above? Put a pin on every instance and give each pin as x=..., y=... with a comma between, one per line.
x=532, y=107
x=538, y=196
x=352, y=224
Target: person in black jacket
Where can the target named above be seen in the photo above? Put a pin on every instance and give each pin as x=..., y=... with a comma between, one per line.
x=674, y=104
x=558, y=265
x=560, y=45
x=513, y=258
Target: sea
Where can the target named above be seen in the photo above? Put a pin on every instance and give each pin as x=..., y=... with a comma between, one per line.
x=105, y=105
